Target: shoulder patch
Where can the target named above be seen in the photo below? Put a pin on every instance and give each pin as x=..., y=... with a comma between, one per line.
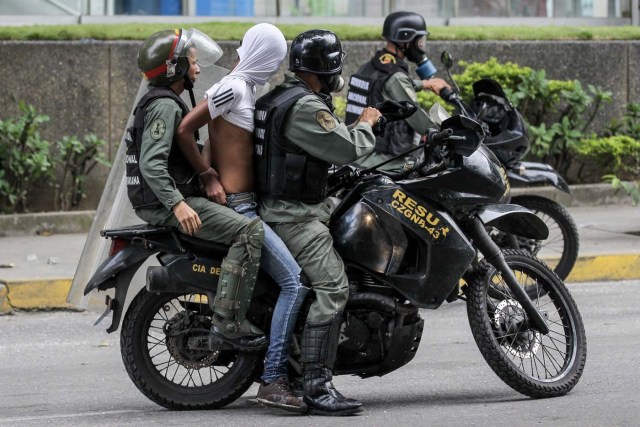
x=158, y=128
x=387, y=58
x=326, y=120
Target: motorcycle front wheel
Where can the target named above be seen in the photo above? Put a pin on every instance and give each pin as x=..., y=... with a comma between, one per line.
x=531, y=363
x=560, y=249
x=157, y=349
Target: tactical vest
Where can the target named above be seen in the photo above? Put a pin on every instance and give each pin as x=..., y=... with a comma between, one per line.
x=138, y=190
x=365, y=90
x=283, y=169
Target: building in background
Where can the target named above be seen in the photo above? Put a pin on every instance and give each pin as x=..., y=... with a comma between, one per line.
x=498, y=9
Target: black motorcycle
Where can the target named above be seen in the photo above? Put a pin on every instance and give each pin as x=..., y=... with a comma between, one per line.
x=509, y=140
x=410, y=240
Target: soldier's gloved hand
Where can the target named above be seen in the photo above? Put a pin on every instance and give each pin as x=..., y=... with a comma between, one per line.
x=187, y=217
x=212, y=187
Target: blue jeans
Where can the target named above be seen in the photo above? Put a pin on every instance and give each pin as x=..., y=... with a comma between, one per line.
x=277, y=262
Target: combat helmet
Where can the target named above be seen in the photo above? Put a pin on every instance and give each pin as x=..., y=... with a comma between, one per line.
x=164, y=56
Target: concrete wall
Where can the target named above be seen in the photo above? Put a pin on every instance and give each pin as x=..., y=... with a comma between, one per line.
x=89, y=86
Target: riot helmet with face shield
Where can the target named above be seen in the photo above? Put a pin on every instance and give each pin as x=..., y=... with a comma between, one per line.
x=165, y=57
x=319, y=52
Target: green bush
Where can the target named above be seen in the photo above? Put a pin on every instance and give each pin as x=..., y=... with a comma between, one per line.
x=24, y=157
x=558, y=112
x=618, y=155
x=629, y=124
x=27, y=160
x=77, y=158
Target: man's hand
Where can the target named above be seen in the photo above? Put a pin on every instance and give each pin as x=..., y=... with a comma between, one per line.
x=187, y=217
x=213, y=188
x=435, y=85
x=369, y=115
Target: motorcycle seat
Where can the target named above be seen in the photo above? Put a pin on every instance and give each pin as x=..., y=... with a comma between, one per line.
x=146, y=230
x=139, y=230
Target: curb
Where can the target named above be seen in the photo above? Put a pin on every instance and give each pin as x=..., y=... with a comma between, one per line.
x=52, y=293
x=606, y=267
x=34, y=294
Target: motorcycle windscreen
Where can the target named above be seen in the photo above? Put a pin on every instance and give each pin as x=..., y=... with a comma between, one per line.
x=114, y=209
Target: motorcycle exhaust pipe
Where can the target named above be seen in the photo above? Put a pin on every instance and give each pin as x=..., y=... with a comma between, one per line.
x=160, y=280
x=494, y=255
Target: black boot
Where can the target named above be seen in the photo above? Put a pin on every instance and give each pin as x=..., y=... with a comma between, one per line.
x=319, y=347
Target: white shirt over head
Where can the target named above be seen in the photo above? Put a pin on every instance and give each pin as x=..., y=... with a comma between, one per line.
x=262, y=51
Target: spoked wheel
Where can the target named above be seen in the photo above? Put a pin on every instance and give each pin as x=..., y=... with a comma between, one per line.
x=560, y=249
x=164, y=351
x=531, y=363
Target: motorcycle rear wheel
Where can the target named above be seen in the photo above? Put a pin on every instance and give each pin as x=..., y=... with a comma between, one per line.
x=164, y=368
x=533, y=364
x=560, y=249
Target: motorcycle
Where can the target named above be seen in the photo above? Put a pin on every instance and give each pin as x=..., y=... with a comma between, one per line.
x=409, y=241
x=509, y=141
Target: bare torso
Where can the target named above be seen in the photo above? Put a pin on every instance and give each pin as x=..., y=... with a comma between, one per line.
x=232, y=155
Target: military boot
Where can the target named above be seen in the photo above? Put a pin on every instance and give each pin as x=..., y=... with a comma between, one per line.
x=319, y=348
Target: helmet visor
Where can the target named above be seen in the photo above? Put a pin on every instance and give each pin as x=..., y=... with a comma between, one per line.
x=420, y=43
x=200, y=48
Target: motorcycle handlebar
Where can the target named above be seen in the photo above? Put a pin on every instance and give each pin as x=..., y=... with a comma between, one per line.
x=450, y=96
x=438, y=137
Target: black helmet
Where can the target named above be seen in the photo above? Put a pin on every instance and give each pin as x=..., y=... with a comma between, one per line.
x=163, y=57
x=403, y=27
x=316, y=51
x=508, y=137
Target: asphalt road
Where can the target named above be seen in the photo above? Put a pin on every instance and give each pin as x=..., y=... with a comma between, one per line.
x=57, y=369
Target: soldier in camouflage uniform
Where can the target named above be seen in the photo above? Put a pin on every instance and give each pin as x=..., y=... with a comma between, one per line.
x=165, y=190
x=297, y=137
x=386, y=77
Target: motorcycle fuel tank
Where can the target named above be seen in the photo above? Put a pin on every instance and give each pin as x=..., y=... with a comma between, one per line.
x=402, y=239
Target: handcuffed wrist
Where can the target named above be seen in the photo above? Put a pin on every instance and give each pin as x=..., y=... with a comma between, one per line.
x=207, y=171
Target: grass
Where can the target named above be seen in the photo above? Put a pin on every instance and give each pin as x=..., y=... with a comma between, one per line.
x=235, y=31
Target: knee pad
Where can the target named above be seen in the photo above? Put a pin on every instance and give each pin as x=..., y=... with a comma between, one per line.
x=252, y=239
x=255, y=233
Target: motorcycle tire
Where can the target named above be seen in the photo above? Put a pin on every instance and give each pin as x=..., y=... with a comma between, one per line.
x=166, y=370
x=563, y=238
x=536, y=365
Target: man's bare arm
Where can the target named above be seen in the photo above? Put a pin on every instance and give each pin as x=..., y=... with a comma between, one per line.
x=197, y=118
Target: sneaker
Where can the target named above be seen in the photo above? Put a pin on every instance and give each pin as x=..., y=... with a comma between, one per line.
x=278, y=394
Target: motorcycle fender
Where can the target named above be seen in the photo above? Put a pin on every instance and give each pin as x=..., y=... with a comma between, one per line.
x=524, y=175
x=110, y=267
x=514, y=219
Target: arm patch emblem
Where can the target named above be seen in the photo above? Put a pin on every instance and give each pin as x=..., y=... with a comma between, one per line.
x=326, y=120
x=157, y=129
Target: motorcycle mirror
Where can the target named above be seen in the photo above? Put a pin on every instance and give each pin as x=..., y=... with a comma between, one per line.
x=446, y=59
x=438, y=114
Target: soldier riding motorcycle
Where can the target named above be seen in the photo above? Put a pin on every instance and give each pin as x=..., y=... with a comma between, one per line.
x=410, y=240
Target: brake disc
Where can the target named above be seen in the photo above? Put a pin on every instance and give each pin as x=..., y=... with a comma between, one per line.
x=510, y=320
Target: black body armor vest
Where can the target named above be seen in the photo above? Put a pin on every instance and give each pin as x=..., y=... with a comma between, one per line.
x=139, y=192
x=283, y=169
x=365, y=90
